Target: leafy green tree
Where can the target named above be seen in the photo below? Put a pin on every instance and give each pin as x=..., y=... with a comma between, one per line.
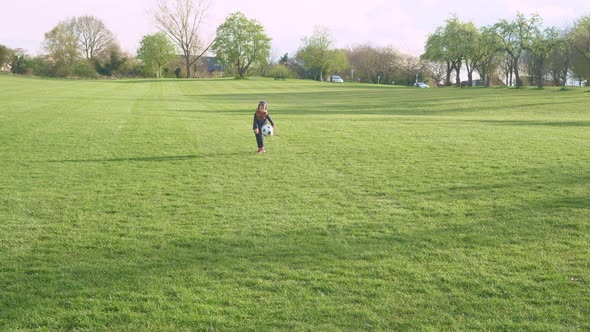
x=452, y=44
x=580, y=68
x=316, y=53
x=6, y=54
x=338, y=61
x=488, y=54
x=467, y=44
x=241, y=42
x=560, y=58
x=459, y=38
x=579, y=39
x=156, y=51
x=538, y=48
x=61, y=44
x=436, y=50
x=514, y=35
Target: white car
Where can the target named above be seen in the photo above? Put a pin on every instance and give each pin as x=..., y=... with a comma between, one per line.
x=421, y=85
x=336, y=79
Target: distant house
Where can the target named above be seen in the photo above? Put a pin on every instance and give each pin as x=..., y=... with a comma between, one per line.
x=212, y=65
x=6, y=67
x=205, y=66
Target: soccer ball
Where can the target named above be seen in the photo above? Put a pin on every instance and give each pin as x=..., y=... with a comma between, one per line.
x=267, y=130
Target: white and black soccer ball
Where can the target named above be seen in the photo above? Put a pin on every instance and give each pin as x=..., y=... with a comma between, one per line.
x=267, y=130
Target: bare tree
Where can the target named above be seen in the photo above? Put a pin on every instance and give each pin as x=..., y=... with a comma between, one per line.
x=93, y=36
x=180, y=20
x=372, y=64
x=437, y=71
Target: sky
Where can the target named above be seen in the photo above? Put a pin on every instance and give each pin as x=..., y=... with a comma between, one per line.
x=401, y=24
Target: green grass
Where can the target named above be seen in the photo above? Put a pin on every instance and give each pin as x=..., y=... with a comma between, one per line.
x=142, y=205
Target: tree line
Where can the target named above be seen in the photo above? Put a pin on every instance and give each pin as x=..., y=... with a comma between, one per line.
x=515, y=52
x=512, y=52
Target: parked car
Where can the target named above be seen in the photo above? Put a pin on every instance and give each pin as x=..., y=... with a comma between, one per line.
x=336, y=79
x=421, y=85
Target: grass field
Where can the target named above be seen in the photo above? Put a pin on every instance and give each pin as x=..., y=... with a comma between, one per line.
x=142, y=205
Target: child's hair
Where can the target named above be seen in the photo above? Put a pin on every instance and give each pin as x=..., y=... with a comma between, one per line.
x=261, y=114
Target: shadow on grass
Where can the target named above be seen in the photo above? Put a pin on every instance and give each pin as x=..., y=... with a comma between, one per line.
x=539, y=179
x=149, y=159
x=171, y=80
x=534, y=123
x=398, y=102
x=132, y=276
x=121, y=279
x=129, y=272
x=340, y=103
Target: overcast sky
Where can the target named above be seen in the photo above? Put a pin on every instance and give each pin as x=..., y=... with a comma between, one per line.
x=404, y=25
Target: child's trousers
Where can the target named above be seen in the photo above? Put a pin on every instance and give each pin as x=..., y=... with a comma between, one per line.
x=260, y=140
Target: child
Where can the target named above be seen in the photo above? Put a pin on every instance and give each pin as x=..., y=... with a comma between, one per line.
x=260, y=118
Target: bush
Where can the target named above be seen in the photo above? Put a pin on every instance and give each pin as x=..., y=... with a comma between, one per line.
x=26, y=65
x=83, y=69
x=22, y=65
x=280, y=71
x=130, y=68
x=60, y=70
x=40, y=67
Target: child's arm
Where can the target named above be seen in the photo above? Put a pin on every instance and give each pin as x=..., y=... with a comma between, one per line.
x=270, y=120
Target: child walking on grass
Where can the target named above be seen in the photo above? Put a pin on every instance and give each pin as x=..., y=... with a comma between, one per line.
x=260, y=118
